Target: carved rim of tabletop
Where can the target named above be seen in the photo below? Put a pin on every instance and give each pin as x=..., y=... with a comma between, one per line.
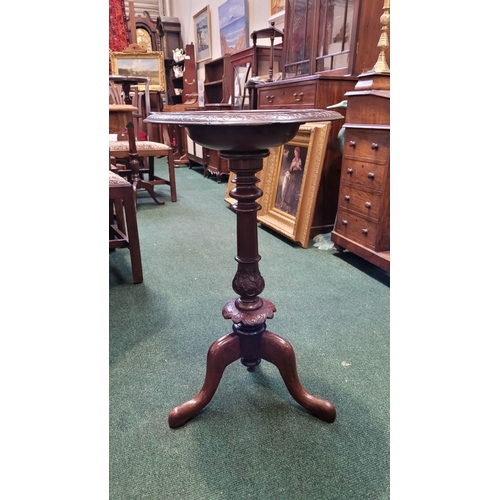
x=247, y=117
x=237, y=131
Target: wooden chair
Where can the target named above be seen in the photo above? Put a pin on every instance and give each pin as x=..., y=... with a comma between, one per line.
x=123, y=230
x=147, y=150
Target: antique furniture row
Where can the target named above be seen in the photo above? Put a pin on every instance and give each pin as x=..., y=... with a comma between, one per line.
x=325, y=46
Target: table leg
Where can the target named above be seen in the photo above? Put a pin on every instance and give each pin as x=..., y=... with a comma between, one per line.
x=279, y=352
x=250, y=339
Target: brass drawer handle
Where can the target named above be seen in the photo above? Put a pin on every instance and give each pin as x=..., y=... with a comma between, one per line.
x=352, y=144
x=270, y=98
x=364, y=230
x=349, y=171
x=374, y=145
x=299, y=98
x=190, y=83
x=344, y=222
x=347, y=197
x=371, y=175
x=368, y=204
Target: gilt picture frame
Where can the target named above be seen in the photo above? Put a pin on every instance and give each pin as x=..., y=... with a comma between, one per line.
x=290, y=182
x=150, y=64
x=203, y=35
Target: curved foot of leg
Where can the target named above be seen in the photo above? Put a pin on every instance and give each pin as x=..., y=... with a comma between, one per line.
x=221, y=354
x=278, y=351
x=149, y=188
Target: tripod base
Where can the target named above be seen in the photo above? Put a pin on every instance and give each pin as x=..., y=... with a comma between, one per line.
x=272, y=348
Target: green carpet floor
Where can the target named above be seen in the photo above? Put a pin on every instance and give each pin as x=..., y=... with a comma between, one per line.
x=252, y=441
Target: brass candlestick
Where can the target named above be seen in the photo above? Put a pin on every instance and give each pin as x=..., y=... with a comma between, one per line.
x=378, y=78
x=381, y=65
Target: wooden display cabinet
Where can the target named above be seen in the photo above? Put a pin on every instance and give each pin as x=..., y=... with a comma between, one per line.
x=337, y=37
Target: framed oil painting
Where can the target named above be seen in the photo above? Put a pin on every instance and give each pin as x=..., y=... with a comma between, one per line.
x=277, y=6
x=203, y=35
x=290, y=181
x=150, y=64
x=233, y=26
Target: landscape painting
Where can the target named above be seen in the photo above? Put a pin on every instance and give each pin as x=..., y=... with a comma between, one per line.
x=233, y=26
x=150, y=64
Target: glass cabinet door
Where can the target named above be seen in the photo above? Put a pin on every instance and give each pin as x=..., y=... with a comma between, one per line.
x=318, y=36
x=334, y=34
x=298, y=36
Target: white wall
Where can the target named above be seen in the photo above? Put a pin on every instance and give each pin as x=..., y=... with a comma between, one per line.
x=259, y=15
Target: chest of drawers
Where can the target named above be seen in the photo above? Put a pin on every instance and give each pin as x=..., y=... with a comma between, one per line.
x=285, y=96
x=363, y=217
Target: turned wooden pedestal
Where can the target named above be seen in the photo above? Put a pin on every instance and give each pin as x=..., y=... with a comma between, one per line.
x=243, y=138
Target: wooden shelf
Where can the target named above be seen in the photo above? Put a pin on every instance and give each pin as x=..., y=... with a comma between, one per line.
x=218, y=80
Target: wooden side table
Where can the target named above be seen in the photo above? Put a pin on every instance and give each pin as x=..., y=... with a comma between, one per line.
x=244, y=139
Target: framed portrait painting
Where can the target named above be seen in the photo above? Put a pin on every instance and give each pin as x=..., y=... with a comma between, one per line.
x=290, y=181
x=203, y=35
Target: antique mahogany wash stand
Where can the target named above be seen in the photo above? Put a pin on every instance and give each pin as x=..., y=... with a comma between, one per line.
x=244, y=139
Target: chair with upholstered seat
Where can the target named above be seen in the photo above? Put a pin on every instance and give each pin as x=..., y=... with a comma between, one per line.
x=123, y=230
x=147, y=150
